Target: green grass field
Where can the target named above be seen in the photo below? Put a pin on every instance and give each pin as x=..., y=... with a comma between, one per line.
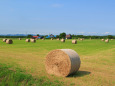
x=97, y=61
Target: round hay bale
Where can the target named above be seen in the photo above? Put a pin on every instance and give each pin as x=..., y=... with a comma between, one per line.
x=58, y=39
x=81, y=39
x=43, y=39
x=62, y=62
x=102, y=39
x=4, y=40
x=51, y=38
x=33, y=40
x=19, y=38
x=62, y=40
x=27, y=40
x=112, y=39
x=74, y=41
x=9, y=41
x=107, y=41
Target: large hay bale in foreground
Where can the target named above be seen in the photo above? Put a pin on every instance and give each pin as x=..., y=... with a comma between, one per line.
x=33, y=40
x=9, y=41
x=27, y=40
x=62, y=62
x=4, y=40
x=74, y=41
x=62, y=40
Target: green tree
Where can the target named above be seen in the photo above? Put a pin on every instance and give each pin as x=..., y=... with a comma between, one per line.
x=110, y=36
x=29, y=36
x=62, y=35
x=38, y=35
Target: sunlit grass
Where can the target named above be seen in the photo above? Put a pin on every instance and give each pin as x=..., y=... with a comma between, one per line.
x=97, y=59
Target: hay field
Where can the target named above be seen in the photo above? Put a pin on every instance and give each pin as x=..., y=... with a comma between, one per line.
x=97, y=59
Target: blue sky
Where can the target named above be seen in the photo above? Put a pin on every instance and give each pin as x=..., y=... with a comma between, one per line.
x=87, y=17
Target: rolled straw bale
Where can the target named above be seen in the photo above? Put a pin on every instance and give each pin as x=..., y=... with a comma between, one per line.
x=107, y=41
x=4, y=40
x=27, y=40
x=62, y=62
x=58, y=39
x=51, y=38
x=62, y=40
x=33, y=40
x=9, y=41
x=102, y=39
x=43, y=39
x=19, y=38
x=81, y=39
x=74, y=41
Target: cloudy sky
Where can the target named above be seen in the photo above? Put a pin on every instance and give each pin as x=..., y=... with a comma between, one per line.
x=87, y=17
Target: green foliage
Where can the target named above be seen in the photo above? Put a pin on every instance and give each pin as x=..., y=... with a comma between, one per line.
x=110, y=36
x=62, y=35
x=10, y=77
x=29, y=36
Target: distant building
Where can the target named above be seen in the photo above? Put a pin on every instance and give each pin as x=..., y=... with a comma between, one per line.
x=34, y=37
x=68, y=36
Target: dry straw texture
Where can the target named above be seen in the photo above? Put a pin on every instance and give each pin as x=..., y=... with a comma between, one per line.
x=74, y=41
x=9, y=41
x=62, y=40
x=33, y=40
x=4, y=40
x=27, y=40
x=62, y=62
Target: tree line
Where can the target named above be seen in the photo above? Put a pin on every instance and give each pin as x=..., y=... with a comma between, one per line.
x=63, y=35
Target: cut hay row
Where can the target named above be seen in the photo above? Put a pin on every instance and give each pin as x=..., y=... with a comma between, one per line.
x=62, y=62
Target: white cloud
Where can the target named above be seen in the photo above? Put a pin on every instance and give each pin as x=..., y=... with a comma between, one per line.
x=106, y=32
x=57, y=5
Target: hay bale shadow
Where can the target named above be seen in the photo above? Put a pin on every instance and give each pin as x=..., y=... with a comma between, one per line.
x=80, y=74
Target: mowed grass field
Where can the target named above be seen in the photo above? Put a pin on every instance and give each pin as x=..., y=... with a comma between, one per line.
x=97, y=60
